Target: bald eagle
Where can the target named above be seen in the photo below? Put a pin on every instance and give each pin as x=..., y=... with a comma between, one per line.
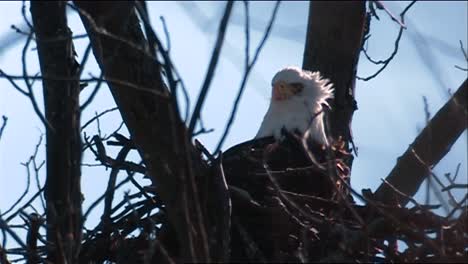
x=297, y=104
x=292, y=136
x=269, y=174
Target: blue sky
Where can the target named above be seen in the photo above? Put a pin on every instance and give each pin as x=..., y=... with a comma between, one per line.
x=391, y=109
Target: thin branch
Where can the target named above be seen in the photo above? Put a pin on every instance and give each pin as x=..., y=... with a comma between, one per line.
x=147, y=28
x=102, y=197
x=98, y=116
x=166, y=34
x=2, y=128
x=395, y=49
x=455, y=186
x=85, y=59
x=28, y=178
x=245, y=77
x=381, y=5
x=211, y=67
x=465, y=55
x=179, y=78
x=11, y=80
x=4, y=226
x=26, y=204
x=29, y=85
x=93, y=93
x=106, y=216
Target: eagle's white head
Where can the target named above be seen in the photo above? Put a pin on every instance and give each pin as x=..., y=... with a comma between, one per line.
x=297, y=101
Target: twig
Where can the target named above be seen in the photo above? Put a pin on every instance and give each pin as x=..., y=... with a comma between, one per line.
x=98, y=116
x=380, y=5
x=246, y=75
x=458, y=206
x=166, y=34
x=28, y=178
x=247, y=32
x=26, y=204
x=455, y=174
x=85, y=59
x=455, y=186
x=401, y=193
x=4, y=226
x=211, y=67
x=139, y=187
x=204, y=150
x=5, y=120
x=106, y=216
x=154, y=42
x=202, y=131
x=25, y=17
x=11, y=80
x=93, y=93
x=91, y=79
x=465, y=55
x=98, y=200
x=283, y=197
x=147, y=28
x=395, y=50
x=29, y=85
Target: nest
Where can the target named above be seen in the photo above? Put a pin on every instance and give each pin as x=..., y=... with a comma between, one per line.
x=289, y=202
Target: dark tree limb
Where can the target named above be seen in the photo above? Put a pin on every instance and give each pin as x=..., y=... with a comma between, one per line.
x=63, y=154
x=431, y=145
x=159, y=134
x=34, y=222
x=333, y=42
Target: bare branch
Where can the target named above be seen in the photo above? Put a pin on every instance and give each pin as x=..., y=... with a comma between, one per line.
x=169, y=156
x=211, y=67
x=395, y=49
x=93, y=93
x=11, y=80
x=29, y=85
x=98, y=116
x=2, y=128
x=247, y=71
x=28, y=178
x=84, y=59
x=465, y=55
x=428, y=149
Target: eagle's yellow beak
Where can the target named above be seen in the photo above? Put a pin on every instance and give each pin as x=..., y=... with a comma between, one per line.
x=283, y=91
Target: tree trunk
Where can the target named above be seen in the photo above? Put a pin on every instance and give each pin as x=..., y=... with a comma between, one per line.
x=150, y=115
x=63, y=153
x=333, y=43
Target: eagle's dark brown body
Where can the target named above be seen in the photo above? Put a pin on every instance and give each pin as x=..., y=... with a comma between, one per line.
x=257, y=200
x=263, y=224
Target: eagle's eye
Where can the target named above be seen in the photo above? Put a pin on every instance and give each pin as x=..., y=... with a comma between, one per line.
x=282, y=90
x=296, y=87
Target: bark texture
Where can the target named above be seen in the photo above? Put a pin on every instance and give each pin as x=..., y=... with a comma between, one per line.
x=149, y=112
x=333, y=43
x=63, y=154
x=431, y=145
